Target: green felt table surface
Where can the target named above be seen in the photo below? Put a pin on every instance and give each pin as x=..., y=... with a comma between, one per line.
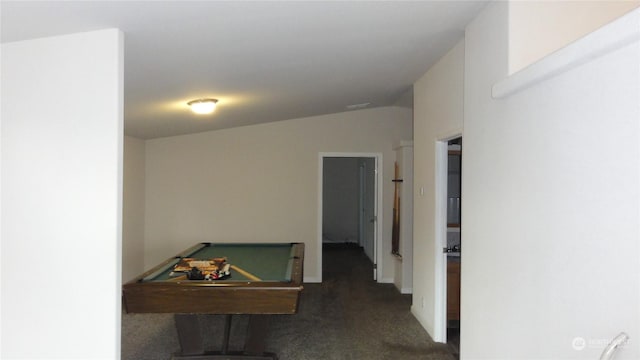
x=269, y=262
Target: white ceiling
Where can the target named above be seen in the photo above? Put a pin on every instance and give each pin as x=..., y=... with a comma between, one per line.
x=264, y=61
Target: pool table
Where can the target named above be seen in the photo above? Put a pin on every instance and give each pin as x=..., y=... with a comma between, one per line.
x=266, y=279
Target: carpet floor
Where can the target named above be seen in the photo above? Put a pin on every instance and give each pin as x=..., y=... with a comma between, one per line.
x=346, y=317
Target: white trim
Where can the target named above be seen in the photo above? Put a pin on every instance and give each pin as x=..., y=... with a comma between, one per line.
x=120, y=187
x=379, y=216
x=312, y=279
x=609, y=38
x=319, y=219
x=362, y=168
x=378, y=210
x=406, y=290
x=440, y=224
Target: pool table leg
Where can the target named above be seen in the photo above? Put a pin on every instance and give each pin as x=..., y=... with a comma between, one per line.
x=192, y=347
x=256, y=334
x=189, y=334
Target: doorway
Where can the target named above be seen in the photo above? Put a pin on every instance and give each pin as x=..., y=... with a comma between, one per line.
x=448, y=220
x=348, y=204
x=453, y=242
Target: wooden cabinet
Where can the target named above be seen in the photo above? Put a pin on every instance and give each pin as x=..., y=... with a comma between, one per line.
x=454, y=192
x=454, y=186
x=453, y=290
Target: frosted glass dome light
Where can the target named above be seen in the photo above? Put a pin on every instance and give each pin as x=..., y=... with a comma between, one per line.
x=203, y=106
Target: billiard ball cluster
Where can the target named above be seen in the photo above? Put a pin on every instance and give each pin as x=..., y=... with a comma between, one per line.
x=218, y=274
x=197, y=269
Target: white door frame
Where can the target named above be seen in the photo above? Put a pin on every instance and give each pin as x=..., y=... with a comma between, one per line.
x=361, y=201
x=440, y=260
x=377, y=208
x=440, y=223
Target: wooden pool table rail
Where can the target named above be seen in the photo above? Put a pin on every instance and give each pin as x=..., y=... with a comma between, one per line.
x=215, y=297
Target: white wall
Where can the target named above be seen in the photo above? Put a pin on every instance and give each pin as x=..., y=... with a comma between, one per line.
x=260, y=183
x=61, y=196
x=551, y=188
x=538, y=28
x=438, y=101
x=133, y=208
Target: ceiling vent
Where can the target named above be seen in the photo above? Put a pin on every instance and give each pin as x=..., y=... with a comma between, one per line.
x=357, y=106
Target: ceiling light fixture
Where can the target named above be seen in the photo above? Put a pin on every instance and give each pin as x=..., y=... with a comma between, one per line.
x=203, y=106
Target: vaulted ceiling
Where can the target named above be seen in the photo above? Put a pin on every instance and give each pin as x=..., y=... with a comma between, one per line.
x=264, y=61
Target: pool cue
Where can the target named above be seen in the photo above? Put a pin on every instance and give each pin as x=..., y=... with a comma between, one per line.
x=245, y=273
x=178, y=278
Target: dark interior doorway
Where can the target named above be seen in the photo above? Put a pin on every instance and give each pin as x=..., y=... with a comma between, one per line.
x=348, y=204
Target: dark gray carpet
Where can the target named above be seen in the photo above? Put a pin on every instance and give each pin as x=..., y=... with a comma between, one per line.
x=347, y=317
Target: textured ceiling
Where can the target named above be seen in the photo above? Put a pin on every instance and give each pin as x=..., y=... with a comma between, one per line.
x=264, y=61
